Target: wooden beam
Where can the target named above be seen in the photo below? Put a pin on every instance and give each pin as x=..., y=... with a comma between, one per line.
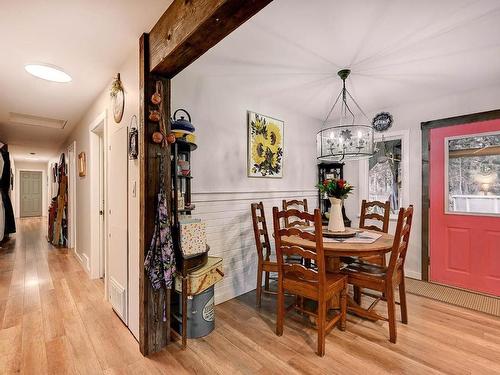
x=154, y=334
x=469, y=152
x=189, y=28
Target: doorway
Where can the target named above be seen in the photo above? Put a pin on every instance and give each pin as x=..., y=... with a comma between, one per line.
x=97, y=197
x=464, y=205
x=31, y=193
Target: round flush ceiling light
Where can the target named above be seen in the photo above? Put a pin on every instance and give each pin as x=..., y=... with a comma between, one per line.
x=48, y=72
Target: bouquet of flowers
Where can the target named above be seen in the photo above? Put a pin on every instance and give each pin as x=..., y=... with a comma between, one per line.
x=336, y=188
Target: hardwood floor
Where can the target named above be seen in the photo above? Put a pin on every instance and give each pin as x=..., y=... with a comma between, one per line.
x=53, y=319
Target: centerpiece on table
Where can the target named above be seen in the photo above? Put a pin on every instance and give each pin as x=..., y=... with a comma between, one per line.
x=336, y=190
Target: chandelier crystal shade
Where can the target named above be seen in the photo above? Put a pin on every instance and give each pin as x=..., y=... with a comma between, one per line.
x=352, y=138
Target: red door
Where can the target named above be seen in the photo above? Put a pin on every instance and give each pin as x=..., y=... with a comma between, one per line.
x=464, y=186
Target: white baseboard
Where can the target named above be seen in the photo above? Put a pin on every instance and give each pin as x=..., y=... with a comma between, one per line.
x=413, y=274
x=83, y=260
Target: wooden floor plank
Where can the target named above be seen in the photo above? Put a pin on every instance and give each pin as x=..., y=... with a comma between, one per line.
x=54, y=319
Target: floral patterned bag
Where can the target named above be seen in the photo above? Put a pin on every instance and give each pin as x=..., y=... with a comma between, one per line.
x=160, y=260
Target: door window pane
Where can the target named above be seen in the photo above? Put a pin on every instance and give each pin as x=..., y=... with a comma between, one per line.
x=384, y=176
x=473, y=171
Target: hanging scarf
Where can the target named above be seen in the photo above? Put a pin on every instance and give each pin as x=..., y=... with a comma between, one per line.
x=160, y=260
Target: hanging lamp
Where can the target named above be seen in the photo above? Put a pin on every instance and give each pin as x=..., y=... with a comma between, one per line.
x=352, y=138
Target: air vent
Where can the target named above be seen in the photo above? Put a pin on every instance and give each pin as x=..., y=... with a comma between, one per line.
x=44, y=122
x=118, y=298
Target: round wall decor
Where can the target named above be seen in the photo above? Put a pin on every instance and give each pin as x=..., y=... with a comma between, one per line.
x=117, y=99
x=382, y=121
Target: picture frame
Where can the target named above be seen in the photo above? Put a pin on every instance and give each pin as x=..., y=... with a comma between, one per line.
x=265, y=146
x=82, y=164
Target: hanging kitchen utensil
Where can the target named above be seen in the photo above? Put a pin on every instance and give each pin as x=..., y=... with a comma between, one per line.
x=154, y=115
x=181, y=125
x=157, y=137
x=170, y=138
x=156, y=97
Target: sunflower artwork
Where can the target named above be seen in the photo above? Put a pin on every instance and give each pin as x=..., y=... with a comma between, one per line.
x=265, y=146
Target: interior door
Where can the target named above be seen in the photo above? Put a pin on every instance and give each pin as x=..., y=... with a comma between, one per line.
x=31, y=193
x=118, y=222
x=464, y=186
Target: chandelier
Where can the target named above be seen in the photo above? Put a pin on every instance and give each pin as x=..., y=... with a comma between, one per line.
x=351, y=139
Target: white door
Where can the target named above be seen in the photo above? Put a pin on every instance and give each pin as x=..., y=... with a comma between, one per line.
x=117, y=214
x=31, y=193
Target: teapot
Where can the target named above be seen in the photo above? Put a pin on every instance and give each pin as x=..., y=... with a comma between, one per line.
x=181, y=125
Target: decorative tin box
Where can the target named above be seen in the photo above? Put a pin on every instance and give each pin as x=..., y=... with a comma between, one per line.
x=202, y=278
x=193, y=237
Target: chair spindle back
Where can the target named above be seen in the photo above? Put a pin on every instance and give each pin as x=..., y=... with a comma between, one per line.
x=317, y=257
x=260, y=231
x=383, y=218
x=300, y=205
x=401, y=240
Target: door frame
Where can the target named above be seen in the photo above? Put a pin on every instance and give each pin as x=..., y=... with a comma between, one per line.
x=426, y=130
x=98, y=198
x=71, y=151
x=21, y=171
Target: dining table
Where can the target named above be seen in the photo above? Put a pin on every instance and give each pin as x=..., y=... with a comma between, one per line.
x=334, y=250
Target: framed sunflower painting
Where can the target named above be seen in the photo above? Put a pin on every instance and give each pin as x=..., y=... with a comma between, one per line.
x=265, y=146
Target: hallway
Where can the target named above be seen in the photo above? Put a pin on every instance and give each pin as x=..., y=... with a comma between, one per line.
x=53, y=317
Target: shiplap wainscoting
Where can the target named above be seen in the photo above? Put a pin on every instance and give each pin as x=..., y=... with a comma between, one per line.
x=230, y=232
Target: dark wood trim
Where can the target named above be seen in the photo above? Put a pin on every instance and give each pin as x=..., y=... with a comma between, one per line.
x=189, y=28
x=154, y=334
x=426, y=128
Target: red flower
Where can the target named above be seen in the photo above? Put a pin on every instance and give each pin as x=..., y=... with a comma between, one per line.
x=341, y=183
x=325, y=182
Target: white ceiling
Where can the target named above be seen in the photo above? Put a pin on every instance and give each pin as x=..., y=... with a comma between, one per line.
x=400, y=51
x=89, y=39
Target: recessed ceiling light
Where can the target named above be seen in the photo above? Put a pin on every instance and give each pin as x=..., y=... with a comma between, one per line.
x=48, y=72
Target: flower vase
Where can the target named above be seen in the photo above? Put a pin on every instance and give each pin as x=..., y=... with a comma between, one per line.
x=336, y=220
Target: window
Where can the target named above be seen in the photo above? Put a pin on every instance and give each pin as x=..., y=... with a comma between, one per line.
x=384, y=176
x=473, y=174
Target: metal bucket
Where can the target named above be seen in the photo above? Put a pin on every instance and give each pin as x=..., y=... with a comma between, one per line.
x=201, y=314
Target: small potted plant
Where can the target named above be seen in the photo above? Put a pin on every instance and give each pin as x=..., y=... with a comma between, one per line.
x=336, y=190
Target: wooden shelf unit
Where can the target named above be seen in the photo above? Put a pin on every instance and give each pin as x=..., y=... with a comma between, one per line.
x=181, y=150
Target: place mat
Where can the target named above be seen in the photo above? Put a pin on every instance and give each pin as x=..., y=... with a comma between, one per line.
x=361, y=237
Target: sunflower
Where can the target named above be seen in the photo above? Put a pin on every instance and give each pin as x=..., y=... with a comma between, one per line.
x=274, y=160
x=273, y=136
x=259, y=146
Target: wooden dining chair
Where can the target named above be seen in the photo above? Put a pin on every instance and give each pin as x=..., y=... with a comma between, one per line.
x=300, y=205
x=383, y=279
x=375, y=216
x=383, y=218
x=382, y=226
x=264, y=262
x=298, y=279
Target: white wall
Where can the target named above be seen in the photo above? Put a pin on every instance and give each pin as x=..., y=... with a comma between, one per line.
x=409, y=117
x=20, y=165
x=129, y=75
x=222, y=191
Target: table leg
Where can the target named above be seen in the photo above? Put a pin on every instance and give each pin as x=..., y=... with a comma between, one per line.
x=333, y=266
